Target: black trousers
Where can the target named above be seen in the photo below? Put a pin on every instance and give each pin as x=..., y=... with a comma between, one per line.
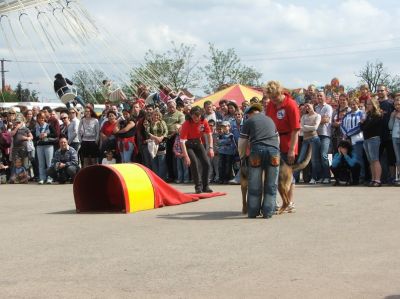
x=64, y=174
x=345, y=173
x=199, y=162
x=170, y=159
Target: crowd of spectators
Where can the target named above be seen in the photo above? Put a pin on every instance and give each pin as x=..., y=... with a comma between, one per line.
x=355, y=137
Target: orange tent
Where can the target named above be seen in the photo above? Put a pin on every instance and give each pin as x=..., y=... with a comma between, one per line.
x=237, y=93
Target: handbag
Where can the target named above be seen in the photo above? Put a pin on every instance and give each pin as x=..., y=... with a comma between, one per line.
x=152, y=147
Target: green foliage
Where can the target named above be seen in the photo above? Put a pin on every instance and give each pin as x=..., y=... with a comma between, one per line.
x=175, y=68
x=20, y=94
x=375, y=74
x=89, y=85
x=226, y=68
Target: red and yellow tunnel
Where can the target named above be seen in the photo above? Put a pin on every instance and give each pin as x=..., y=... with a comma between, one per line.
x=126, y=188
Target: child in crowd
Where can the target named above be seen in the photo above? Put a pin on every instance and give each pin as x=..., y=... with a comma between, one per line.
x=109, y=158
x=226, y=150
x=345, y=165
x=19, y=175
x=182, y=169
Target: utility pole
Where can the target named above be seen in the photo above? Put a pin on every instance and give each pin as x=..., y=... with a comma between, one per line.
x=3, y=77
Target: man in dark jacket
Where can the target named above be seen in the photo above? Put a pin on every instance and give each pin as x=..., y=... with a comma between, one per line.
x=64, y=165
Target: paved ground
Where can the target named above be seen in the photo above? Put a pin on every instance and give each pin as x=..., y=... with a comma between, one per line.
x=343, y=242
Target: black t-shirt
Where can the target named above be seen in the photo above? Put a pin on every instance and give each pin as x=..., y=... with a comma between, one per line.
x=260, y=130
x=123, y=124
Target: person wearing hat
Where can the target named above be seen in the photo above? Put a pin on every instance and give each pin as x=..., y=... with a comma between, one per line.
x=193, y=150
x=226, y=149
x=259, y=131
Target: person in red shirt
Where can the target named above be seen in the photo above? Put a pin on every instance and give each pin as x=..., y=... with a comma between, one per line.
x=193, y=150
x=286, y=115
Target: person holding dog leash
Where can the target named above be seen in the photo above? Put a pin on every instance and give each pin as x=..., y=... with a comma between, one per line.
x=286, y=115
x=260, y=131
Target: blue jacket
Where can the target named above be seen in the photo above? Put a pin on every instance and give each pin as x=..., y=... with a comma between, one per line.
x=349, y=160
x=226, y=144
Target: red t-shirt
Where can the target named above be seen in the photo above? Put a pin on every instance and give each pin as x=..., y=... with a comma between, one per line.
x=192, y=130
x=107, y=128
x=286, y=119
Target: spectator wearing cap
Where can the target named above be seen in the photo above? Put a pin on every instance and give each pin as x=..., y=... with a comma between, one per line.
x=283, y=110
x=193, y=150
x=259, y=131
x=226, y=150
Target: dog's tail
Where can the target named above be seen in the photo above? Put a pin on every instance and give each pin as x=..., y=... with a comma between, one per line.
x=304, y=163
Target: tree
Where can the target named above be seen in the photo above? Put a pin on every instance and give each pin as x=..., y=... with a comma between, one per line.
x=88, y=84
x=175, y=68
x=226, y=68
x=375, y=74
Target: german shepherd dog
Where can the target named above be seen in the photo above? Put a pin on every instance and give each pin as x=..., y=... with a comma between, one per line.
x=284, y=179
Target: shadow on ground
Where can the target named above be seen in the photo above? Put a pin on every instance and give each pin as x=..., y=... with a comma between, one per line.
x=218, y=215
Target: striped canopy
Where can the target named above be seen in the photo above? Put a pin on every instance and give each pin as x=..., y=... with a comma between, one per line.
x=237, y=93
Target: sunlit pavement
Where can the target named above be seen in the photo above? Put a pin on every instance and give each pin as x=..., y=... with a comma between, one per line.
x=343, y=242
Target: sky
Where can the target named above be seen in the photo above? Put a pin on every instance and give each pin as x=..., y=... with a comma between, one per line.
x=295, y=42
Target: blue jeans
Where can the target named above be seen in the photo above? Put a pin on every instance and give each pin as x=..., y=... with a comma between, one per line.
x=262, y=195
x=396, y=147
x=158, y=165
x=371, y=147
x=324, y=149
x=182, y=169
x=315, y=143
x=44, y=154
x=126, y=154
x=359, y=151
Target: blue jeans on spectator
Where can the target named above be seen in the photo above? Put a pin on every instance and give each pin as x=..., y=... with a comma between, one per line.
x=371, y=147
x=225, y=167
x=396, y=147
x=158, y=165
x=126, y=154
x=262, y=195
x=315, y=144
x=182, y=169
x=44, y=154
x=359, y=151
x=324, y=149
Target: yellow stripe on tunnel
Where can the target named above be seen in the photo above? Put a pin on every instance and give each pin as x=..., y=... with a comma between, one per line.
x=139, y=187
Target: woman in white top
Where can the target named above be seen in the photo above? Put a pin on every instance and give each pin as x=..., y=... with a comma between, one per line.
x=89, y=137
x=309, y=125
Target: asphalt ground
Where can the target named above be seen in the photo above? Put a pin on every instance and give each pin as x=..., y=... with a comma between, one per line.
x=343, y=242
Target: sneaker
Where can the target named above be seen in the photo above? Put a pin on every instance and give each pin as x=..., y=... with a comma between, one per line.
x=312, y=182
x=326, y=181
x=197, y=190
x=41, y=182
x=319, y=181
x=49, y=181
x=291, y=208
x=233, y=182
